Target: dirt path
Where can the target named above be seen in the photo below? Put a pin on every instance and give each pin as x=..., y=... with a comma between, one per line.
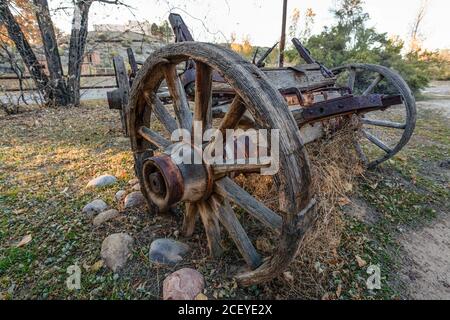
x=426, y=269
x=439, y=92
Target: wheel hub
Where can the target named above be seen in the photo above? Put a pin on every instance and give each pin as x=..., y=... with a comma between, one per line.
x=168, y=183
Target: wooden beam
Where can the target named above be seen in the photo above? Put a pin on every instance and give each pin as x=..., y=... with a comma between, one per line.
x=227, y=188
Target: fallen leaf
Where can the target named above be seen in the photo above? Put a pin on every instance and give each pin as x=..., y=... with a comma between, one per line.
x=201, y=296
x=97, y=266
x=343, y=201
x=86, y=266
x=25, y=240
x=361, y=262
x=318, y=267
x=348, y=187
x=339, y=290
x=326, y=296
x=288, y=276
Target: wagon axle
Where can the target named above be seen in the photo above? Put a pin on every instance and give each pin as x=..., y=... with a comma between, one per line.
x=168, y=183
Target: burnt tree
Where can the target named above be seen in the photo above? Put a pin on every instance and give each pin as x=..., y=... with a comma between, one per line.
x=56, y=89
x=26, y=52
x=50, y=45
x=77, y=46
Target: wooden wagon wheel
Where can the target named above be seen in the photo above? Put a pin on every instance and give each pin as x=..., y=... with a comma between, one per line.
x=118, y=99
x=206, y=189
x=383, y=133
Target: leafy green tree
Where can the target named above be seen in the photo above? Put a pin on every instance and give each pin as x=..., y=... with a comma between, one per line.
x=351, y=40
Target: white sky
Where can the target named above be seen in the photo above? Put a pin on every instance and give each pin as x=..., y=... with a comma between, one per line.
x=261, y=19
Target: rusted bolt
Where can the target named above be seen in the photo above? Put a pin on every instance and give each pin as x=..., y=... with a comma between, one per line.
x=157, y=184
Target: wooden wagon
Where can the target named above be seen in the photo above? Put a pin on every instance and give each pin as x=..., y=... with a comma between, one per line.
x=189, y=81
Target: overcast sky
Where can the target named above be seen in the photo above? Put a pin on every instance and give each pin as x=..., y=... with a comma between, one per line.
x=215, y=20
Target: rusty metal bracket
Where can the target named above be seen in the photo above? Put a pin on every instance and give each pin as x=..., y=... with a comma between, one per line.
x=345, y=105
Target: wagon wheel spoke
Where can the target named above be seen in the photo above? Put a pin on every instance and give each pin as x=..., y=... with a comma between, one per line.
x=234, y=114
x=180, y=102
x=161, y=113
x=212, y=229
x=228, y=189
x=153, y=137
x=372, y=86
x=380, y=144
x=384, y=123
x=248, y=167
x=189, y=219
x=225, y=214
x=203, y=95
x=351, y=78
x=361, y=153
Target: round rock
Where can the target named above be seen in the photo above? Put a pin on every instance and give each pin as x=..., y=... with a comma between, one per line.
x=104, y=216
x=115, y=250
x=134, y=199
x=167, y=251
x=120, y=195
x=95, y=207
x=132, y=182
x=184, y=284
x=102, y=181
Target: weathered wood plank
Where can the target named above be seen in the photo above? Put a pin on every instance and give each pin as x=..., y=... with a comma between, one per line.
x=189, y=219
x=373, y=85
x=227, y=188
x=203, y=95
x=234, y=115
x=154, y=138
x=380, y=144
x=223, y=169
x=383, y=123
x=212, y=229
x=180, y=102
x=161, y=113
x=228, y=219
x=351, y=78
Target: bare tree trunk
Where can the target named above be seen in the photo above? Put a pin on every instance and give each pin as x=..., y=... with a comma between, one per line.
x=9, y=56
x=23, y=47
x=77, y=46
x=416, y=40
x=50, y=44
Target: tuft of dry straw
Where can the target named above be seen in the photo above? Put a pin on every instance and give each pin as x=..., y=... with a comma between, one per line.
x=334, y=166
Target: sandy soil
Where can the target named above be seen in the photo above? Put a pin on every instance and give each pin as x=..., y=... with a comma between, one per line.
x=426, y=270
x=439, y=91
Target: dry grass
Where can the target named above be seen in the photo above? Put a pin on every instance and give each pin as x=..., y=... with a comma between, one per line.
x=335, y=166
x=47, y=158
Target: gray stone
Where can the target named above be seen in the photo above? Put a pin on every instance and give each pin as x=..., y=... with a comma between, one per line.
x=134, y=199
x=184, y=284
x=104, y=216
x=95, y=207
x=115, y=250
x=120, y=195
x=132, y=182
x=102, y=181
x=167, y=251
x=136, y=187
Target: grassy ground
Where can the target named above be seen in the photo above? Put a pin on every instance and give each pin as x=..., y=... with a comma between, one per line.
x=403, y=195
x=48, y=156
